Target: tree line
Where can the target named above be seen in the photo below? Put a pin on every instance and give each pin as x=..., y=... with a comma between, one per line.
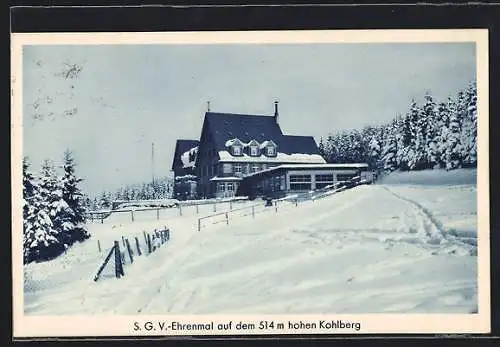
x=53, y=210
x=161, y=188
x=430, y=135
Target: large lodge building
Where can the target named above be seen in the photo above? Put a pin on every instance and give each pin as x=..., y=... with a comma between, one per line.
x=239, y=154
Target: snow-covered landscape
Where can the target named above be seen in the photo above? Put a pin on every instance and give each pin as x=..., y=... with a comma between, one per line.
x=406, y=244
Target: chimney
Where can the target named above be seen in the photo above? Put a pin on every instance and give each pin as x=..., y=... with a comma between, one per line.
x=276, y=114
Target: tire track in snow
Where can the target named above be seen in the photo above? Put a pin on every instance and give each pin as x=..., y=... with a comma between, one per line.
x=435, y=232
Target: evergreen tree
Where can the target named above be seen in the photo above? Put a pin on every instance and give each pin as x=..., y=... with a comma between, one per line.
x=41, y=238
x=418, y=126
x=443, y=124
x=374, y=152
x=403, y=141
x=469, y=128
x=453, y=145
x=431, y=133
x=73, y=196
x=30, y=191
x=389, y=150
x=321, y=148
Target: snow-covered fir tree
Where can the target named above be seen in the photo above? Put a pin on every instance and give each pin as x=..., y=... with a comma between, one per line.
x=374, y=152
x=41, y=237
x=453, y=149
x=74, y=198
x=469, y=127
x=30, y=191
x=442, y=124
x=403, y=140
x=389, y=149
x=418, y=126
x=431, y=132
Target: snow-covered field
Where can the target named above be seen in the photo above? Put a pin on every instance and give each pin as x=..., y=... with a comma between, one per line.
x=398, y=246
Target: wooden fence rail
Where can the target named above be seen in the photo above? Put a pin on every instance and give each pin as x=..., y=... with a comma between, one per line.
x=101, y=215
x=309, y=196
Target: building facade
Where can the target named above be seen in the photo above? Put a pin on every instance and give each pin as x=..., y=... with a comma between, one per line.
x=183, y=168
x=283, y=180
x=233, y=146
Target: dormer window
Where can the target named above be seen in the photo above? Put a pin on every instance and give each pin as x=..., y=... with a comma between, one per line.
x=254, y=151
x=271, y=151
x=237, y=150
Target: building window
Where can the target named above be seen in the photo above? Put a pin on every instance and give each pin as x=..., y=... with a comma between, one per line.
x=254, y=151
x=270, y=151
x=264, y=166
x=255, y=167
x=323, y=180
x=300, y=182
x=238, y=169
x=220, y=187
x=230, y=187
x=345, y=177
x=227, y=168
x=237, y=150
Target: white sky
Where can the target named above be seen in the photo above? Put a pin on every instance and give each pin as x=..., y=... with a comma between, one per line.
x=128, y=96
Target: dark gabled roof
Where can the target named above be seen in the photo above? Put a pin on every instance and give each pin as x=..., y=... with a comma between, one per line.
x=182, y=146
x=298, y=144
x=226, y=126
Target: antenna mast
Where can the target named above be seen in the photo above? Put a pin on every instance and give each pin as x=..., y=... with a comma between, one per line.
x=153, y=161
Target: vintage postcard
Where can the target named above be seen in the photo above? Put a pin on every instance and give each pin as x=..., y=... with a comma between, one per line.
x=244, y=183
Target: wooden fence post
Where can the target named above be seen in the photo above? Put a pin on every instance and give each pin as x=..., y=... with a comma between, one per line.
x=118, y=261
x=230, y=205
x=145, y=237
x=158, y=214
x=99, y=245
x=215, y=208
x=253, y=211
x=123, y=241
x=197, y=211
x=227, y=219
x=296, y=202
x=104, y=263
x=180, y=210
x=129, y=251
x=149, y=244
x=199, y=224
x=132, y=214
x=137, y=246
x=102, y=218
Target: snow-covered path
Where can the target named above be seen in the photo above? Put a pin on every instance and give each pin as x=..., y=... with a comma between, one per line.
x=371, y=249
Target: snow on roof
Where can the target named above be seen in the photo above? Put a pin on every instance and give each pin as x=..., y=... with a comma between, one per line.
x=185, y=157
x=235, y=141
x=225, y=156
x=267, y=143
x=232, y=142
x=232, y=178
x=186, y=177
x=311, y=166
